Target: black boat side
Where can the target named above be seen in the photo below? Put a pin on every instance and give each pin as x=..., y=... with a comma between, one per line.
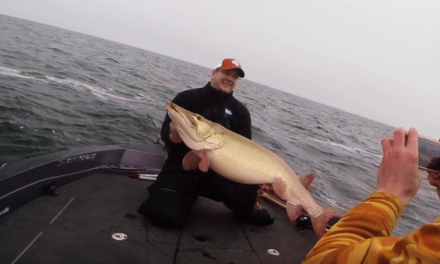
x=24, y=181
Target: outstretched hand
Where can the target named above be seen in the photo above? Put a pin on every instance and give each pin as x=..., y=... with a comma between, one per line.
x=398, y=173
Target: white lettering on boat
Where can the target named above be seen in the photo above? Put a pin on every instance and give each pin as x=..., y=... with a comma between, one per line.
x=81, y=158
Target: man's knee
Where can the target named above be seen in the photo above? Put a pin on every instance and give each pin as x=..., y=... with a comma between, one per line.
x=167, y=208
x=244, y=193
x=226, y=186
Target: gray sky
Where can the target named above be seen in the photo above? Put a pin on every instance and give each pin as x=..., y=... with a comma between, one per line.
x=377, y=59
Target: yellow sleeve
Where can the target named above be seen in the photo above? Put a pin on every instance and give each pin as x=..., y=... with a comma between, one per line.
x=363, y=236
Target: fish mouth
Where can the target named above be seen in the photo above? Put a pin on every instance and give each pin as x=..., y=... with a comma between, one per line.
x=174, y=111
x=171, y=106
x=186, y=119
x=193, y=128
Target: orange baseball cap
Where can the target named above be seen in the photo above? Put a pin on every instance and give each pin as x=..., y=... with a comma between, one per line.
x=229, y=64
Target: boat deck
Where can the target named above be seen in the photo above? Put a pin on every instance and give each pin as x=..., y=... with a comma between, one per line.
x=77, y=227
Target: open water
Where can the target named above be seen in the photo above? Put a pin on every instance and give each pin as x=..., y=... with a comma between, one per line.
x=61, y=89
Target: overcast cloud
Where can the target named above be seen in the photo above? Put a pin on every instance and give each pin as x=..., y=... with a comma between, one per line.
x=377, y=59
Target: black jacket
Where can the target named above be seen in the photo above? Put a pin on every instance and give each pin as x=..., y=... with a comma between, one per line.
x=215, y=106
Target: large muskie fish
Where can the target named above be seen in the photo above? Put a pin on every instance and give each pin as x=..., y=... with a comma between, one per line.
x=242, y=160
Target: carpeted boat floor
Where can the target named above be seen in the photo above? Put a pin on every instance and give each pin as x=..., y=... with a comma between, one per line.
x=78, y=226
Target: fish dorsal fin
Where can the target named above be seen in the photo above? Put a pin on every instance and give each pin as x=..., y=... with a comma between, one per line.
x=306, y=180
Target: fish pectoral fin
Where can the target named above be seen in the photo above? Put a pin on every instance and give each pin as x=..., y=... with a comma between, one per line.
x=293, y=211
x=190, y=161
x=204, y=163
x=280, y=187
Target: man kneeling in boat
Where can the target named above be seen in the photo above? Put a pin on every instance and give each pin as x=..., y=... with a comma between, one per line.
x=176, y=189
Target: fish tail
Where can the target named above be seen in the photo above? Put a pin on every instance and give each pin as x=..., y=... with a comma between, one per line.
x=320, y=223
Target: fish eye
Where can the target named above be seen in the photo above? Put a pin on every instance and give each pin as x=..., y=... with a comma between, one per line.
x=199, y=117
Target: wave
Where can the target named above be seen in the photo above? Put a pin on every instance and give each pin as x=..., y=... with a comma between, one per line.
x=113, y=60
x=34, y=74
x=350, y=149
x=60, y=51
x=38, y=76
x=13, y=73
